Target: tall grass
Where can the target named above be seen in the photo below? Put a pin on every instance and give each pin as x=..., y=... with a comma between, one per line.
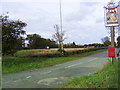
x=15, y=64
x=105, y=78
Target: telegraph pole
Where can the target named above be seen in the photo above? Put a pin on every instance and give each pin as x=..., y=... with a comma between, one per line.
x=61, y=46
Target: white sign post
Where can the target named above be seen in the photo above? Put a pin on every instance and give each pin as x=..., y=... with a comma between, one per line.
x=111, y=20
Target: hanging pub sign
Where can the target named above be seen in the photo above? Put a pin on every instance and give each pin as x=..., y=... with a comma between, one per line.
x=112, y=16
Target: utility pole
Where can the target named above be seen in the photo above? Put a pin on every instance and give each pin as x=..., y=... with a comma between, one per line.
x=61, y=29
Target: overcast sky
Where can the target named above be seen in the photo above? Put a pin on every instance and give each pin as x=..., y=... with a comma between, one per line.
x=83, y=20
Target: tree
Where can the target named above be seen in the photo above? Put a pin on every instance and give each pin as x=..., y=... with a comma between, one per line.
x=107, y=43
x=37, y=42
x=51, y=43
x=32, y=41
x=12, y=32
x=104, y=39
x=74, y=44
x=59, y=36
x=118, y=41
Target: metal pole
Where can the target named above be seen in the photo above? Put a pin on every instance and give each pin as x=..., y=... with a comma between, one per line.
x=61, y=28
x=60, y=17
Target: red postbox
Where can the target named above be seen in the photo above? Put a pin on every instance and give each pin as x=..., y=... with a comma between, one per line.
x=111, y=52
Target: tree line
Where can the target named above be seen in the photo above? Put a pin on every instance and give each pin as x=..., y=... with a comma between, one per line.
x=37, y=42
x=13, y=38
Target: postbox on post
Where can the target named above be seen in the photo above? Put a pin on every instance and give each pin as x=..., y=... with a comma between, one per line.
x=111, y=52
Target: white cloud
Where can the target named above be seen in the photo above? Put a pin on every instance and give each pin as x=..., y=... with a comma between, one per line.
x=72, y=1
x=83, y=21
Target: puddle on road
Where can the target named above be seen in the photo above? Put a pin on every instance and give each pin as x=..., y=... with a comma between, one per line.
x=53, y=81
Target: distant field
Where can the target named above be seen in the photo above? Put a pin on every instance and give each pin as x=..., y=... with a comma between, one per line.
x=69, y=49
x=37, y=52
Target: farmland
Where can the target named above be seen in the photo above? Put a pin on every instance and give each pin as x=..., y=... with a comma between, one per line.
x=37, y=58
x=69, y=49
x=31, y=52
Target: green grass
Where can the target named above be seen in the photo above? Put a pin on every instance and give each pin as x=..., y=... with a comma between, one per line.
x=105, y=78
x=15, y=64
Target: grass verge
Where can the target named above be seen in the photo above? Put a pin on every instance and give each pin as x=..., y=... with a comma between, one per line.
x=15, y=64
x=105, y=78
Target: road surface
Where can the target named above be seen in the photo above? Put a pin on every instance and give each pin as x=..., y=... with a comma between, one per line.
x=54, y=76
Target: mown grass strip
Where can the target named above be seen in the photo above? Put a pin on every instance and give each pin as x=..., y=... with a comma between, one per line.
x=105, y=78
x=15, y=64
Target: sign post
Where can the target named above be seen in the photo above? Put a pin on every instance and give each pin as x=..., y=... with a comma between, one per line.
x=112, y=36
x=111, y=21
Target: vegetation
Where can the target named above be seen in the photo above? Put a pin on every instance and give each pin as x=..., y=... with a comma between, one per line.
x=37, y=42
x=105, y=78
x=13, y=39
x=105, y=39
x=107, y=43
x=59, y=37
x=50, y=52
x=73, y=45
x=12, y=32
x=35, y=52
x=118, y=41
x=20, y=63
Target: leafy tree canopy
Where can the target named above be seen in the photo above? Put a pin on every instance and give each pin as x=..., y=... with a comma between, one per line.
x=107, y=43
x=37, y=42
x=12, y=31
x=118, y=41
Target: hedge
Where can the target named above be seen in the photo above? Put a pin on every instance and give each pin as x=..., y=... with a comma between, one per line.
x=66, y=53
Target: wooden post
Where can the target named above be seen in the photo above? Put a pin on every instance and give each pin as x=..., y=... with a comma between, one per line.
x=112, y=39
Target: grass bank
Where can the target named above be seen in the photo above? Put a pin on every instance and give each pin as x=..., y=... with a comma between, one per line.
x=15, y=64
x=105, y=78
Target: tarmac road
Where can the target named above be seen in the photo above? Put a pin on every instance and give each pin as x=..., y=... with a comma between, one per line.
x=54, y=76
